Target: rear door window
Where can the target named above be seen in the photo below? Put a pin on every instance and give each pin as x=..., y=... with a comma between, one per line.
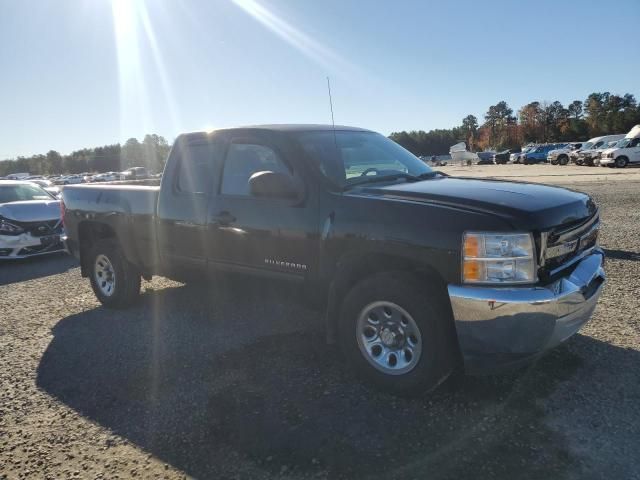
x=196, y=167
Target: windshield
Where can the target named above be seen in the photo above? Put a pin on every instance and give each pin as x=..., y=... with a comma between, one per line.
x=586, y=146
x=345, y=157
x=18, y=193
x=623, y=143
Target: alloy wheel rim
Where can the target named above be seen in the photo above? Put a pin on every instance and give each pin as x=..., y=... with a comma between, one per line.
x=105, y=275
x=389, y=338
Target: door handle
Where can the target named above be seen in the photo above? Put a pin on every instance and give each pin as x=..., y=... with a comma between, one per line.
x=223, y=218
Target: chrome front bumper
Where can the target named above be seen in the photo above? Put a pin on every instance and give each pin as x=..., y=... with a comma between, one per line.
x=501, y=326
x=26, y=245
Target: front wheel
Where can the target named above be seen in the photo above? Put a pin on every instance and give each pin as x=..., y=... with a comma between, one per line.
x=621, y=162
x=563, y=159
x=397, y=334
x=115, y=281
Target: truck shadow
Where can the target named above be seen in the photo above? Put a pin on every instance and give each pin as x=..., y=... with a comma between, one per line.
x=208, y=382
x=14, y=271
x=622, y=254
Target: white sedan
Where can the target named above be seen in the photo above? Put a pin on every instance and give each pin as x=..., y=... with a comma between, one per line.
x=30, y=221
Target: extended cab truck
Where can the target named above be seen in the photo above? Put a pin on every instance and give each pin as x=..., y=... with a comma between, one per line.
x=417, y=271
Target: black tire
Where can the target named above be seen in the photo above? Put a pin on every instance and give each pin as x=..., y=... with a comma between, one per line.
x=427, y=308
x=563, y=160
x=554, y=161
x=579, y=162
x=621, y=162
x=126, y=286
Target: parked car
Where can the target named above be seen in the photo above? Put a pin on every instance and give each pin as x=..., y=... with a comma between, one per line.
x=625, y=151
x=585, y=156
x=135, y=173
x=560, y=156
x=30, y=222
x=518, y=156
x=107, y=177
x=414, y=270
x=18, y=176
x=72, y=179
x=539, y=154
x=486, y=157
x=503, y=157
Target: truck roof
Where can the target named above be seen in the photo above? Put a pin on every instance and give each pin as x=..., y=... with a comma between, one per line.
x=284, y=127
x=634, y=132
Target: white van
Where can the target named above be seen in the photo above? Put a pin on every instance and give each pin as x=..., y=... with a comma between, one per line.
x=587, y=156
x=624, y=152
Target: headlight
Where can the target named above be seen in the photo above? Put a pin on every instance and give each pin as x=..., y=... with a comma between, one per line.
x=498, y=258
x=7, y=228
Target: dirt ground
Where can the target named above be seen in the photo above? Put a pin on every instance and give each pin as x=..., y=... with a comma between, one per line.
x=234, y=380
x=546, y=173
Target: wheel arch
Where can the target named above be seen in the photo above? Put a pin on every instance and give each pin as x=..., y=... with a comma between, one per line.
x=622, y=157
x=89, y=233
x=353, y=269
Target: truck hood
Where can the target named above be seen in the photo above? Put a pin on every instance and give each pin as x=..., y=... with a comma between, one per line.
x=31, y=210
x=526, y=206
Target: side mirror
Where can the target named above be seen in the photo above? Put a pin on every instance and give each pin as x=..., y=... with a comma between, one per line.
x=272, y=185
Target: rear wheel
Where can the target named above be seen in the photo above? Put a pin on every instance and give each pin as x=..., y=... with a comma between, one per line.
x=621, y=162
x=397, y=334
x=115, y=281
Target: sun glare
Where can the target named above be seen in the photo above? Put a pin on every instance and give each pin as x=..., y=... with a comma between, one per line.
x=135, y=37
x=308, y=46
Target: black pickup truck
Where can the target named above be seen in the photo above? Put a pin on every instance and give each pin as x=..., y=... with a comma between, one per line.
x=417, y=272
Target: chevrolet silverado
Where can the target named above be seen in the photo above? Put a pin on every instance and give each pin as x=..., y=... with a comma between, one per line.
x=416, y=272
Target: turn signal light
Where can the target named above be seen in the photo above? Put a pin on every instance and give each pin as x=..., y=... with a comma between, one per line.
x=472, y=270
x=471, y=246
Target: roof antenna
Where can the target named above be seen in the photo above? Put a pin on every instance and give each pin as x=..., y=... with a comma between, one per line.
x=333, y=123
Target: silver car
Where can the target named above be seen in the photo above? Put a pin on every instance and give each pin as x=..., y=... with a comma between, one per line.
x=30, y=221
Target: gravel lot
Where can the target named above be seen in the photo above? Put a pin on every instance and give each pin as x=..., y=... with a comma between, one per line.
x=234, y=381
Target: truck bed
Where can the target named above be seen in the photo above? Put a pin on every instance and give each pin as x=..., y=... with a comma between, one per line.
x=128, y=210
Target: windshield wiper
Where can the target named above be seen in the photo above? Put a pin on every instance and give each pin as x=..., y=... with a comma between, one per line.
x=396, y=176
x=382, y=178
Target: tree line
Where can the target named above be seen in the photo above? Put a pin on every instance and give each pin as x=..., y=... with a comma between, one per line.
x=536, y=122
x=150, y=153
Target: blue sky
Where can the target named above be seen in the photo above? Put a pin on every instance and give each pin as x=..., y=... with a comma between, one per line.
x=82, y=73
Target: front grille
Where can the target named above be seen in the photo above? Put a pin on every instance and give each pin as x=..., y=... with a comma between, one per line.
x=41, y=249
x=40, y=229
x=563, y=244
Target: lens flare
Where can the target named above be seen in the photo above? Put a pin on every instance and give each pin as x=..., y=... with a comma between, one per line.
x=299, y=40
x=134, y=38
